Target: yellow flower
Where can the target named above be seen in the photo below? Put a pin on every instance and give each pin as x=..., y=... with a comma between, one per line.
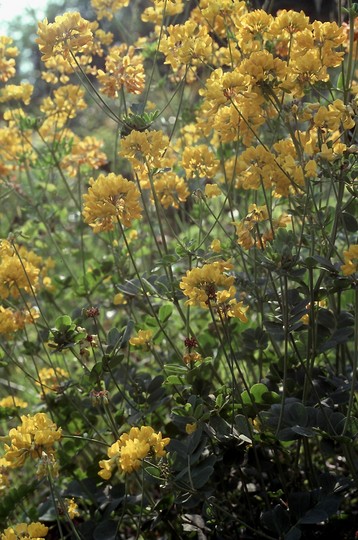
x=20, y=268
x=72, y=508
x=7, y=55
x=161, y=8
x=110, y=198
x=186, y=43
x=13, y=91
x=67, y=101
x=253, y=28
x=190, y=428
x=289, y=22
x=334, y=116
x=69, y=33
x=212, y=190
x=13, y=401
x=350, y=265
x=170, y=189
x=131, y=448
x=25, y=531
x=202, y=285
x=125, y=69
x=244, y=235
x=216, y=245
x=306, y=318
x=85, y=154
x=145, y=147
x=119, y=299
x=51, y=379
x=16, y=274
x=105, y=8
x=143, y=338
x=199, y=161
x=36, y=435
x=191, y=357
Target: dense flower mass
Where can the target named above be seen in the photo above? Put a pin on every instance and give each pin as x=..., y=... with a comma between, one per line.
x=110, y=198
x=131, y=448
x=36, y=435
x=13, y=401
x=25, y=531
x=68, y=34
x=145, y=149
x=213, y=146
x=210, y=286
x=105, y=9
x=8, y=54
x=123, y=69
x=21, y=270
x=51, y=379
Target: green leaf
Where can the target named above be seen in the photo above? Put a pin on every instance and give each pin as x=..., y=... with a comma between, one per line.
x=350, y=222
x=173, y=379
x=165, y=312
x=340, y=81
x=63, y=322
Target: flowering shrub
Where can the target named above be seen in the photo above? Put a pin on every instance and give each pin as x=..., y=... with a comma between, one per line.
x=178, y=276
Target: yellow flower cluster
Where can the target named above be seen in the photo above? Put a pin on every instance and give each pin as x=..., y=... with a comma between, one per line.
x=16, y=92
x=142, y=339
x=66, y=102
x=111, y=198
x=198, y=161
x=68, y=34
x=186, y=44
x=12, y=320
x=250, y=233
x=106, y=8
x=145, y=149
x=8, y=54
x=13, y=401
x=50, y=379
x=85, y=155
x=350, y=265
x=170, y=189
x=123, y=69
x=21, y=272
x=34, y=437
x=25, y=531
x=160, y=9
x=71, y=508
x=131, y=448
x=209, y=286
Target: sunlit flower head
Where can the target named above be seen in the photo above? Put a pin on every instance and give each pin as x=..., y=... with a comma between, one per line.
x=160, y=9
x=131, y=448
x=8, y=54
x=105, y=9
x=123, y=69
x=145, y=148
x=25, y=531
x=68, y=34
x=13, y=401
x=170, y=189
x=111, y=198
x=142, y=339
x=34, y=437
x=71, y=508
